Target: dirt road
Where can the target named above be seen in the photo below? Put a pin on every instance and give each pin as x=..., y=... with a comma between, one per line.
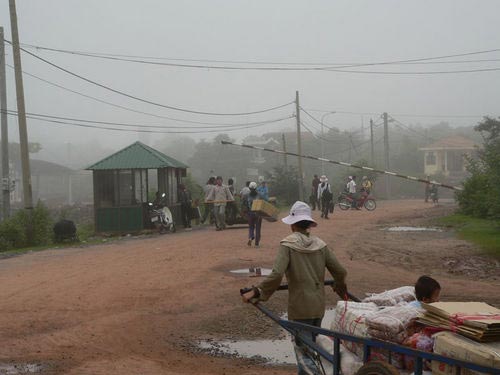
x=136, y=306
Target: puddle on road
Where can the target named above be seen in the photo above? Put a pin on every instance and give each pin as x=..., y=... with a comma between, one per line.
x=275, y=352
x=252, y=271
x=18, y=369
x=412, y=229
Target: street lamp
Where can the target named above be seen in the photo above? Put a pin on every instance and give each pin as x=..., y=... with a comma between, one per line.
x=322, y=136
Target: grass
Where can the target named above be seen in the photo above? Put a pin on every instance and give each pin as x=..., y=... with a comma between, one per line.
x=86, y=236
x=482, y=232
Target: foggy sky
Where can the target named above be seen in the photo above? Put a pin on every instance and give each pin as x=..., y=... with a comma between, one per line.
x=278, y=31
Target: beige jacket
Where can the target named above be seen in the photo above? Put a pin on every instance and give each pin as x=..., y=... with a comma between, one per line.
x=303, y=259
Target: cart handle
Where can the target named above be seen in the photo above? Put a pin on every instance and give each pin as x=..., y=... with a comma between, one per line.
x=327, y=282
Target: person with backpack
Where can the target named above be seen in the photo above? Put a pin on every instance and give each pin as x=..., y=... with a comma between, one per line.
x=325, y=195
x=254, y=219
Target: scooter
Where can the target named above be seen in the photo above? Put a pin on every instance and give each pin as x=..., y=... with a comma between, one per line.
x=161, y=217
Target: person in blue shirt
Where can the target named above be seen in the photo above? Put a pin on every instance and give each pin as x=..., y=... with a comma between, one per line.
x=263, y=190
x=427, y=290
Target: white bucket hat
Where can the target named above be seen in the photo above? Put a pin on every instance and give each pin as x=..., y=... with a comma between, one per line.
x=299, y=211
x=323, y=178
x=252, y=185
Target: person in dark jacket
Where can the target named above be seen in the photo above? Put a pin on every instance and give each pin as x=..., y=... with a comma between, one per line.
x=184, y=198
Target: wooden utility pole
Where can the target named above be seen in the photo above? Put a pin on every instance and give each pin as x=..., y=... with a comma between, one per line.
x=386, y=155
x=285, y=160
x=21, y=109
x=299, y=147
x=371, y=143
x=5, y=132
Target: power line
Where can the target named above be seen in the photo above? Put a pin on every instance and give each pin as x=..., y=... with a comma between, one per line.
x=336, y=67
x=149, y=101
x=401, y=125
x=322, y=124
x=221, y=126
x=118, y=105
x=137, y=129
x=397, y=114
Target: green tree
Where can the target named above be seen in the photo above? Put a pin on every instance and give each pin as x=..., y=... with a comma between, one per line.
x=284, y=184
x=481, y=194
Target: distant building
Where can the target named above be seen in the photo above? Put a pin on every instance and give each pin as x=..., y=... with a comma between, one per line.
x=447, y=155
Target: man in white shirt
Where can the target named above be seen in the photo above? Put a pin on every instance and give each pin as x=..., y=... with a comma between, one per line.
x=351, y=189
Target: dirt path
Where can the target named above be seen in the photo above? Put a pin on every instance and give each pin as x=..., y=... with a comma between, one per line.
x=137, y=306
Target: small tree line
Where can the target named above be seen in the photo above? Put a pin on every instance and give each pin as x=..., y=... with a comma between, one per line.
x=481, y=194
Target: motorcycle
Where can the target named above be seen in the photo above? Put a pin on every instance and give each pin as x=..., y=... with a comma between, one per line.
x=161, y=216
x=345, y=201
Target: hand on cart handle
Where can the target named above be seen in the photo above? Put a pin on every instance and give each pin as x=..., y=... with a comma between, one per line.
x=247, y=294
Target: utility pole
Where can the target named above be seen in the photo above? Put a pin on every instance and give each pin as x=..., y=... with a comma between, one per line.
x=299, y=147
x=371, y=143
x=5, y=132
x=21, y=109
x=386, y=155
x=285, y=159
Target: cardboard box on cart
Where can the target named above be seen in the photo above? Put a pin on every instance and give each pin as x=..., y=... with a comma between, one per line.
x=264, y=208
x=459, y=347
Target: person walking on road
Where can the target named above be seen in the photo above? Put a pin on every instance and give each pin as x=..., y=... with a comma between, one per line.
x=208, y=207
x=302, y=257
x=254, y=219
x=315, y=201
x=219, y=196
x=184, y=197
x=325, y=195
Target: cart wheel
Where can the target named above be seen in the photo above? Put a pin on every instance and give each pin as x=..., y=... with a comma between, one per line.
x=377, y=368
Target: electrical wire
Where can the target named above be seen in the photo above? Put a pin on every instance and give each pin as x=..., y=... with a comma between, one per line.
x=397, y=114
x=408, y=128
x=322, y=124
x=328, y=67
x=221, y=126
x=136, y=130
x=118, y=105
x=149, y=101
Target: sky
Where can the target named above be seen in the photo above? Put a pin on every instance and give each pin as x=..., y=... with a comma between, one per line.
x=280, y=31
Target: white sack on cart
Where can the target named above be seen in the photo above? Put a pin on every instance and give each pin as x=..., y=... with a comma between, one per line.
x=392, y=297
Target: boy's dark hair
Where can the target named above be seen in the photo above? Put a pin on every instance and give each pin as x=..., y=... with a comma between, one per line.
x=303, y=224
x=425, y=287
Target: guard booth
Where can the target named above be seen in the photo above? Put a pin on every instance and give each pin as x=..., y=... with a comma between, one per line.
x=122, y=185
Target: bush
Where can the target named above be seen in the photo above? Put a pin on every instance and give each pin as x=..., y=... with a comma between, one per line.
x=25, y=229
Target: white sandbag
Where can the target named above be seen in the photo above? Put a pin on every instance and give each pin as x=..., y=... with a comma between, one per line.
x=392, y=297
x=349, y=362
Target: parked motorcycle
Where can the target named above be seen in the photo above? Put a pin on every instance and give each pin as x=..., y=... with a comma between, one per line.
x=345, y=201
x=161, y=216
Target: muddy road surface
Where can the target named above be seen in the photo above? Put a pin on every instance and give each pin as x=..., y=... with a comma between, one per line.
x=139, y=306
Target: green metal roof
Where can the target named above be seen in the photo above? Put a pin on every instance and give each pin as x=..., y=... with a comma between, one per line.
x=137, y=156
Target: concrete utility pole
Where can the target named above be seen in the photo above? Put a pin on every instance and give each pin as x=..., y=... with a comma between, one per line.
x=386, y=155
x=21, y=109
x=285, y=160
x=5, y=132
x=371, y=143
x=299, y=148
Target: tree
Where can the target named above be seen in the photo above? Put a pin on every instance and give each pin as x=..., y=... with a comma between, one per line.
x=284, y=184
x=481, y=194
